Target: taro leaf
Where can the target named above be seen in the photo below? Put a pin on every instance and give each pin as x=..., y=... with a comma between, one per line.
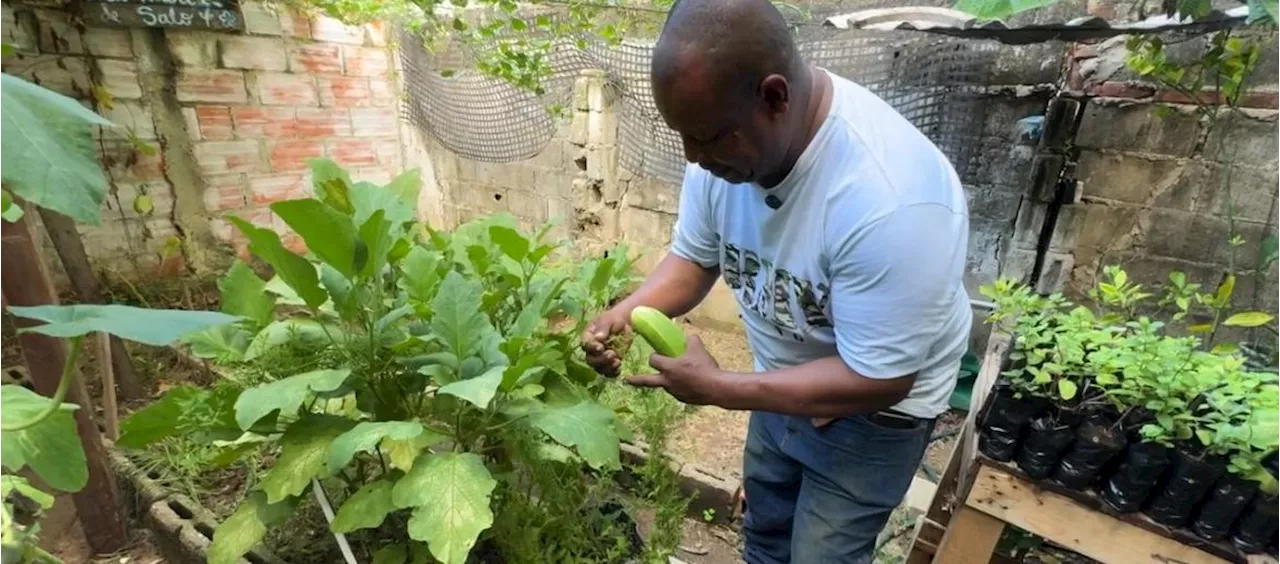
x=586, y=426
x=285, y=395
x=450, y=496
x=245, y=528
x=366, y=508
x=244, y=294
x=298, y=332
x=1248, y=319
x=10, y=484
x=158, y=419
x=342, y=293
x=224, y=343
x=303, y=450
x=293, y=269
x=51, y=447
x=49, y=155
x=510, y=241
x=158, y=327
x=458, y=319
x=479, y=391
x=377, y=239
x=331, y=184
x=365, y=436
x=328, y=233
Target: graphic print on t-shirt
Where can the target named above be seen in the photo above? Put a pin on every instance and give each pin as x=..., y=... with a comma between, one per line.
x=772, y=293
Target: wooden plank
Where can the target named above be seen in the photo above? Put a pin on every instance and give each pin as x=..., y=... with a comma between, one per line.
x=1057, y=518
x=110, y=406
x=971, y=538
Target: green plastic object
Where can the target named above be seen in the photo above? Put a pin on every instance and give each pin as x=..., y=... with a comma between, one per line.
x=969, y=367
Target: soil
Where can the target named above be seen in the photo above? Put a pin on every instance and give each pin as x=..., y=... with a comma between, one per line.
x=62, y=537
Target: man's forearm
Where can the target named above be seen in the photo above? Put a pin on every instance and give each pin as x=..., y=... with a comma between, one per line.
x=822, y=388
x=675, y=287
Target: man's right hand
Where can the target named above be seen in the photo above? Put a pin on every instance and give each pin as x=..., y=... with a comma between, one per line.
x=595, y=341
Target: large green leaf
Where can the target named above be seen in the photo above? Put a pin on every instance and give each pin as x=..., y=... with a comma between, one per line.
x=366, y=508
x=48, y=152
x=298, y=331
x=377, y=238
x=11, y=483
x=223, y=343
x=285, y=395
x=245, y=528
x=368, y=198
x=479, y=391
x=51, y=447
x=293, y=269
x=459, y=321
x=303, y=450
x=157, y=420
x=328, y=233
x=367, y=435
x=158, y=327
x=244, y=294
x=450, y=496
x=587, y=426
x=407, y=187
x=510, y=241
x=421, y=276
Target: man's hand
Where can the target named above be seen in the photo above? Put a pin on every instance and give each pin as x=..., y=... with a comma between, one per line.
x=694, y=378
x=595, y=342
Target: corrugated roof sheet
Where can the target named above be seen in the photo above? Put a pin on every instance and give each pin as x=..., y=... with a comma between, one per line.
x=947, y=21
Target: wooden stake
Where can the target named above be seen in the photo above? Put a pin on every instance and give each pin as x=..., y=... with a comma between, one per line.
x=27, y=284
x=110, y=407
x=75, y=262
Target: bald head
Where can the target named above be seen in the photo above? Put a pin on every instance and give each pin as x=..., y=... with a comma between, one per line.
x=726, y=45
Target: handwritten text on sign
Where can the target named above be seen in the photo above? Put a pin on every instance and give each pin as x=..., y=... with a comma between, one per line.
x=190, y=14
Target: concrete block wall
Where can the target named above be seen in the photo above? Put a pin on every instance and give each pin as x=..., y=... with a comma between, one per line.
x=232, y=117
x=1153, y=191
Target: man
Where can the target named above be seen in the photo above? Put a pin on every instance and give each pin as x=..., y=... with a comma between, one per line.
x=842, y=231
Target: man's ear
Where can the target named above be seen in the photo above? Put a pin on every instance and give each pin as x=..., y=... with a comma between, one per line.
x=775, y=91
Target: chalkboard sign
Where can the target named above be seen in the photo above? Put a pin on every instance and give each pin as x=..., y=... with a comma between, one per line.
x=216, y=15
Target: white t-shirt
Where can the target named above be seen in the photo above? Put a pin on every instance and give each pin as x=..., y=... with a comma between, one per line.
x=863, y=257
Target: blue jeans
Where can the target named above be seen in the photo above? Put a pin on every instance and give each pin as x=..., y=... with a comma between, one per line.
x=819, y=495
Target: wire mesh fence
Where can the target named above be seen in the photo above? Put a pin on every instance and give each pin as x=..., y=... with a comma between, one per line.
x=934, y=81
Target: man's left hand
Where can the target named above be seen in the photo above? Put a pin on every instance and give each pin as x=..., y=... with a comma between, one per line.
x=694, y=378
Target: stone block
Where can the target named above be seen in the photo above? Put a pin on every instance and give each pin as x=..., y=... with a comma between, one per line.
x=477, y=197
x=1055, y=272
x=1186, y=236
x=252, y=53
x=321, y=58
x=1138, y=180
x=1028, y=64
x=645, y=229
x=322, y=123
x=353, y=152
x=373, y=122
x=1138, y=128
x=20, y=35
x=1248, y=140
x=527, y=205
x=194, y=48
x=1100, y=227
x=344, y=91
x=365, y=61
x=220, y=157
x=377, y=34
x=294, y=23
x=281, y=89
x=58, y=34
x=655, y=195
x=191, y=123
x=555, y=183
x=1253, y=192
x=552, y=156
x=214, y=122
x=265, y=190
x=68, y=76
x=224, y=192
x=578, y=128
x=132, y=115
x=292, y=155
x=105, y=42
x=212, y=86
x=388, y=151
x=261, y=19
x=120, y=78
x=562, y=212
x=264, y=122
x=324, y=28
x=383, y=92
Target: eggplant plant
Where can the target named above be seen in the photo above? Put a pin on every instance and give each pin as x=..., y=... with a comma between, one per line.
x=442, y=397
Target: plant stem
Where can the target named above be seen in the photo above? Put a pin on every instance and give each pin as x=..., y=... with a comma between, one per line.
x=64, y=384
